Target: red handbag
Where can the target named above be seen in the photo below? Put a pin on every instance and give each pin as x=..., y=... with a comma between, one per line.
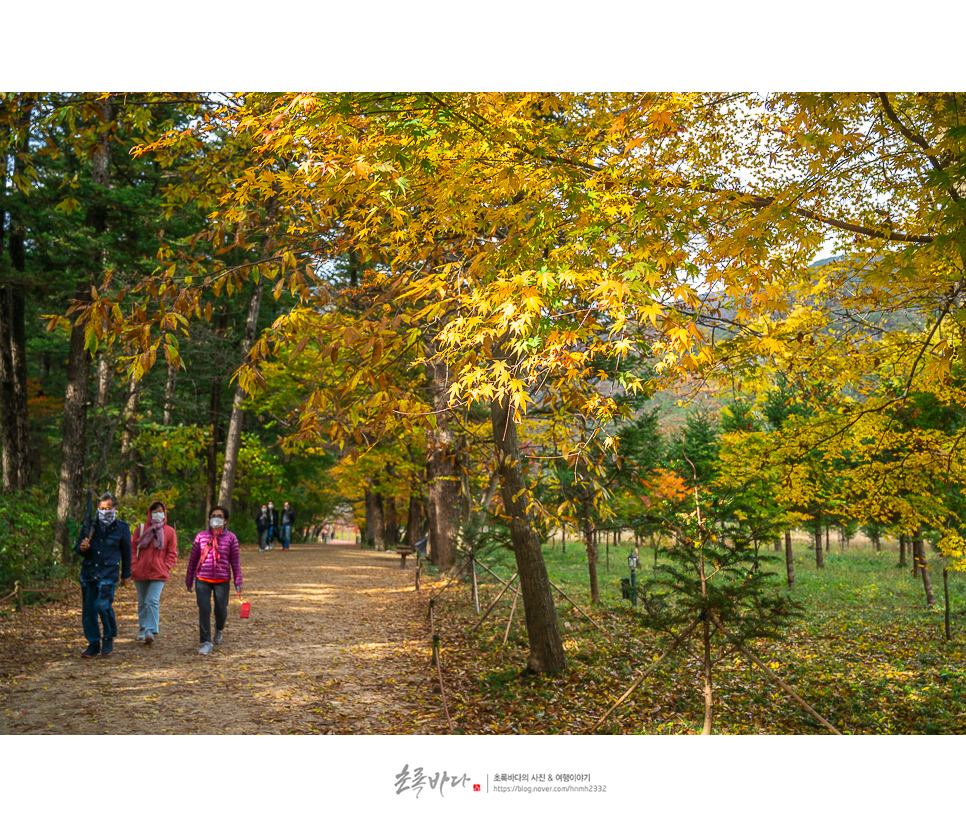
x=245, y=607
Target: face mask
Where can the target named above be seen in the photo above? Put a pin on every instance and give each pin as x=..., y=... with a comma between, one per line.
x=217, y=523
x=264, y=509
x=271, y=506
x=107, y=516
x=157, y=518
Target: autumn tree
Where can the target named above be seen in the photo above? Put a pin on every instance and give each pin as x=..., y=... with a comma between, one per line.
x=538, y=231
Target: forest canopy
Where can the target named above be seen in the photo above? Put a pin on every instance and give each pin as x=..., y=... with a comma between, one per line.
x=436, y=313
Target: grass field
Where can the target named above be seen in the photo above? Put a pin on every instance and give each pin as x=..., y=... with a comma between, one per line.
x=868, y=654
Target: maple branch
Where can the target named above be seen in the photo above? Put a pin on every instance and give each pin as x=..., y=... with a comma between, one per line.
x=767, y=202
x=913, y=137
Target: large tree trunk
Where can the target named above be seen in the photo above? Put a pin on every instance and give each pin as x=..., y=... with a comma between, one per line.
x=375, y=533
x=78, y=358
x=211, y=453
x=13, y=338
x=104, y=375
x=226, y=489
x=375, y=518
x=789, y=560
x=415, y=514
x=8, y=435
x=442, y=477
x=543, y=631
x=74, y=430
x=125, y=477
x=392, y=521
x=902, y=550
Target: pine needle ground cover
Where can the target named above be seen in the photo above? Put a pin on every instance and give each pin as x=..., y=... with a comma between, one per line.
x=867, y=654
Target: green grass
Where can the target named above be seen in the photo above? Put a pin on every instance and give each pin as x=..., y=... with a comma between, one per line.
x=868, y=654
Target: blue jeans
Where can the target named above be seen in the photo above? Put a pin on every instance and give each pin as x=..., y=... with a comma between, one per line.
x=149, y=604
x=286, y=535
x=98, y=608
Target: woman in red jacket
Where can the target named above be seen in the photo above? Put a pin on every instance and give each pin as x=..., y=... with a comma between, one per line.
x=154, y=551
x=213, y=562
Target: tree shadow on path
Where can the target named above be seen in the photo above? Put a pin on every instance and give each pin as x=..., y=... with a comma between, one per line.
x=337, y=642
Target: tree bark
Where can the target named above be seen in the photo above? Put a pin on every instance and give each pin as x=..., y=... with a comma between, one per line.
x=226, y=488
x=104, y=375
x=13, y=338
x=819, y=558
x=169, y=395
x=902, y=551
x=376, y=518
x=591, y=544
x=78, y=358
x=442, y=476
x=543, y=631
x=375, y=534
x=414, y=516
x=125, y=477
x=708, y=691
x=392, y=521
x=8, y=437
x=211, y=453
x=919, y=556
x=789, y=560
x=74, y=434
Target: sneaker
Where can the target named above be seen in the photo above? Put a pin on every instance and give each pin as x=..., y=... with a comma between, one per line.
x=107, y=646
x=149, y=638
x=205, y=648
x=261, y=550
x=140, y=637
x=92, y=650
x=219, y=636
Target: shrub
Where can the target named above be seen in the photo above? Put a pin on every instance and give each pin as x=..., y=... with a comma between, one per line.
x=27, y=539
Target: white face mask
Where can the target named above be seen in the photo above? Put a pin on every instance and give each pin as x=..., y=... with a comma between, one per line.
x=157, y=518
x=264, y=509
x=217, y=523
x=271, y=506
x=107, y=516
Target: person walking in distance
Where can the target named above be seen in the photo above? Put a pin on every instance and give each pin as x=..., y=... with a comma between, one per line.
x=213, y=563
x=263, y=523
x=105, y=552
x=273, y=527
x=155, y=548
x=286, y=521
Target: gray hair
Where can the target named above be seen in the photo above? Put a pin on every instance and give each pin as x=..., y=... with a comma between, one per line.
x=107, y=496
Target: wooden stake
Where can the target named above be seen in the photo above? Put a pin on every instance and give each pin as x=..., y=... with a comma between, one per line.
x=677, y=641
x=513, y=608
x=499, y=596
x=771, y=674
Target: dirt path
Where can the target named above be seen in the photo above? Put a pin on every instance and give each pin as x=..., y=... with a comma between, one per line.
x=337, y=642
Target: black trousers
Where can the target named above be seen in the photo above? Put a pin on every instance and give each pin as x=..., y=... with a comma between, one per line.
x=204, y=591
